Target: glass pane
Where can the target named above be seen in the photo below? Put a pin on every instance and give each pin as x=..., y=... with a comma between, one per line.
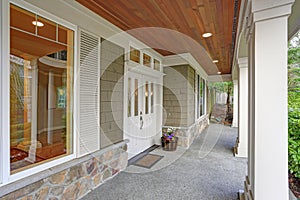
x=48, y=30
x=40, y=101
x=146, y=60
x=156, y=65
x=147, y=98
x=134, y=55
x=152, y=97
x=201, y=97
x=62, y=34
x=136, y=97
x=22, y=19
x=129, y=98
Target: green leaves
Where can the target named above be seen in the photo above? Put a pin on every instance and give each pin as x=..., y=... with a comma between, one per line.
x=294, y=133
x=294, y=106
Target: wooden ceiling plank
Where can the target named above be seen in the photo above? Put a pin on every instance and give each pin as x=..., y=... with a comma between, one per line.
x=190, y=17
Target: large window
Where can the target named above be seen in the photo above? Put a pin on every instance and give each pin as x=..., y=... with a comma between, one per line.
x=41, y=86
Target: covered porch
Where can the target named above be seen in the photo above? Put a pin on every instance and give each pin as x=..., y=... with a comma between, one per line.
x=140, y=68
x=207, y=170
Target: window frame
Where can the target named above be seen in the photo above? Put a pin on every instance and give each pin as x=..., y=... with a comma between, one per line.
x=200, y=96
x=5, y=173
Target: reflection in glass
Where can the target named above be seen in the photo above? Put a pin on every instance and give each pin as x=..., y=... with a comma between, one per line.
x=201, y=97
x=136, y=97
x=156, y=65
x=147, y=98
x=134, y=55
x=152, y=97
x=40, y=96
x=146, y=60
x=129, y=98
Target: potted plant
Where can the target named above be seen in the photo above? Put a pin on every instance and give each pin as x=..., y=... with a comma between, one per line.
x=169, y=140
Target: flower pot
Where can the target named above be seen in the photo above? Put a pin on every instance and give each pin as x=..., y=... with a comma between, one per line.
x=169, y=145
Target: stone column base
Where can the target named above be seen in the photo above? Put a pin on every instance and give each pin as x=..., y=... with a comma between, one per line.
x=247, y=190
x=240, y=151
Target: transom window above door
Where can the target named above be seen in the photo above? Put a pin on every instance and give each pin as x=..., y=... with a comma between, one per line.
x=145, y=59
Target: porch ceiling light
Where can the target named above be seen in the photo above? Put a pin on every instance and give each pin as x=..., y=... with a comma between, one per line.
x=215, y=61
x=37, y=23
x=219, y=72
x=206, y=35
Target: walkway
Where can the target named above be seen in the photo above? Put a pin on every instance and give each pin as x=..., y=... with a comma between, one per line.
x=207, y=170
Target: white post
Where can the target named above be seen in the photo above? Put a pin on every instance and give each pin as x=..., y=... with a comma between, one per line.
x=51, y=106
x=34, y=99
x=235, y=104
x=268, y=129
x=242, y=146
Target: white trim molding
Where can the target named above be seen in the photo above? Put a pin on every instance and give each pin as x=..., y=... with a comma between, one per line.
x=220, y=78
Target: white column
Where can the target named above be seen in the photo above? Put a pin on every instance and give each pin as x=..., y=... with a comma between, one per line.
x=235, y=103
x=34, y=144
x=242, y=147
x=268, y=130
x=51, y=106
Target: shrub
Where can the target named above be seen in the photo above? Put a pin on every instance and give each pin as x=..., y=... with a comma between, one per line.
x=294, y=133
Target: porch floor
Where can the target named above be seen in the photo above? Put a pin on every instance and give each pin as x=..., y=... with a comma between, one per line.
x=207, y=170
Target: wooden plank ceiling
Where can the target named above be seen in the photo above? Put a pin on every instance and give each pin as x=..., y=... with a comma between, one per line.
x=176, y=26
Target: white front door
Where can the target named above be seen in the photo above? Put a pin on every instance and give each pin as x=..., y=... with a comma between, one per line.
x=141, y=118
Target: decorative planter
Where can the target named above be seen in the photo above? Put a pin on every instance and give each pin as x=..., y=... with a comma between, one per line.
x=169, y=145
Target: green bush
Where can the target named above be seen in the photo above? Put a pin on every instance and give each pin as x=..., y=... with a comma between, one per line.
x=294, y=133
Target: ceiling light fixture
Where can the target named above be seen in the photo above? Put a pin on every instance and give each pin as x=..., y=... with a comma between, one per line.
x=206, y=35
x=215, y=61
x=219, y=72
x=37, y=23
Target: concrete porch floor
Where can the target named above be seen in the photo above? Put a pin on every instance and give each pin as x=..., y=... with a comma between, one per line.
x=207, y=170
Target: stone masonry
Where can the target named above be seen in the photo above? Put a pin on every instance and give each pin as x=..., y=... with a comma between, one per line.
x=76, y=181
x=186, y=135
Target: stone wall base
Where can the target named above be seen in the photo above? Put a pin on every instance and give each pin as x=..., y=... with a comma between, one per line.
x=247, y=190
x=77, y=180
x=240, y=151
x=186, y=135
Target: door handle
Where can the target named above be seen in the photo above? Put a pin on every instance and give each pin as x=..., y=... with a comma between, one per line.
x=141, y=121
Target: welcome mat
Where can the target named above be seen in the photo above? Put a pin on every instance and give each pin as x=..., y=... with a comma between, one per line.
x=148, y=161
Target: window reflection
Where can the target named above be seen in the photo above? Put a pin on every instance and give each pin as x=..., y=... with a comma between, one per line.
x=136, y=97
x=147, y=98
x=40, y=92
x=129, y=98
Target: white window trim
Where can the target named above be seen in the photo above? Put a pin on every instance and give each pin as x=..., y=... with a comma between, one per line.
x=197, y=95
x=5, y=108
x=5, y=174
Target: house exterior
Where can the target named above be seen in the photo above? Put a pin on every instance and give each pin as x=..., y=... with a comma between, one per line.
x=79, y=97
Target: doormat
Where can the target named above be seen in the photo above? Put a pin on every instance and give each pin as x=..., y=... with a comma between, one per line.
x=148, y=161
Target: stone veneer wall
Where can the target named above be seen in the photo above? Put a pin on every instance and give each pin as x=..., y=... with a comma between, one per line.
x=186, y=135
x=111, y=93
x=75, y=180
